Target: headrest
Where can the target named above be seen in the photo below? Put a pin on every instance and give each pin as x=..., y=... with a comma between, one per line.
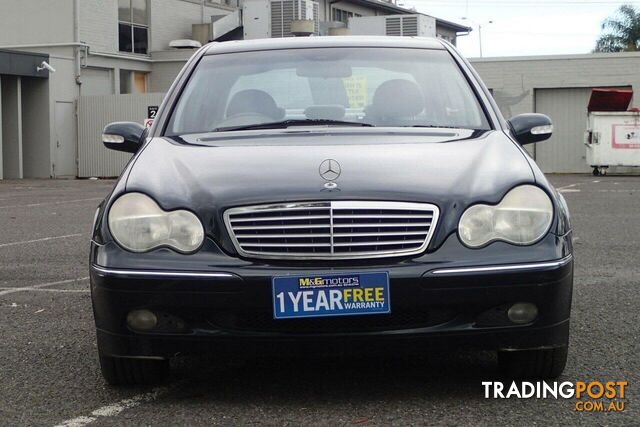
x=254, y=101
x=397, y=98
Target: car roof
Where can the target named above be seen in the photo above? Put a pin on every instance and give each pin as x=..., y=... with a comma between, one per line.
x=328, y=41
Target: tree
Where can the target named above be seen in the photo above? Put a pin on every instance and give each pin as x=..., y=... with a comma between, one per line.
x=622, y=31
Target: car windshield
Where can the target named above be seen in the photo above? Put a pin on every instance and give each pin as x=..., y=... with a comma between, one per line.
x=379, y=87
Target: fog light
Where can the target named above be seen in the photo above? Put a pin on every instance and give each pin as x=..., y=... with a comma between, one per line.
x=522, y=312
x=142, y=320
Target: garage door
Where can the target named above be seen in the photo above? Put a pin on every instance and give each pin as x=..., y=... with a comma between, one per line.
x=564, y=152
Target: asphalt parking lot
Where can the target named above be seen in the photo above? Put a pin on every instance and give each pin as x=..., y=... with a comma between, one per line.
x=49, y=372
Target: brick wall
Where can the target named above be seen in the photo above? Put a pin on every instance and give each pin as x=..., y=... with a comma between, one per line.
x=99, y=25
x=172, y=19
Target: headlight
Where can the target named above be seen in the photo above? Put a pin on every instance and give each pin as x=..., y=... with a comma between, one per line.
x=522, y=217
x=138, y=224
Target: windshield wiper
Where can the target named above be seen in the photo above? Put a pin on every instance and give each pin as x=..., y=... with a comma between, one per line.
x=283, y=124
x=437, y=126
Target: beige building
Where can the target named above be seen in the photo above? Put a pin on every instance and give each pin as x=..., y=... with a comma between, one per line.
x=558, y=86
x=97, y=47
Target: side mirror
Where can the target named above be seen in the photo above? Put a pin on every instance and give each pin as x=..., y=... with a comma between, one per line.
x=531, y=127
x=124, y=136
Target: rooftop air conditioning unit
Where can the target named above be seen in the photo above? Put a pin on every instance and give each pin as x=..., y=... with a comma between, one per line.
x=184, y=44
x=273, y=18
x=394, y=25
x=283, y=12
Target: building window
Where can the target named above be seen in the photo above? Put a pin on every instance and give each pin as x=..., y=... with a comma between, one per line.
x=340, y=15
x=133, y=26
x=132, y=82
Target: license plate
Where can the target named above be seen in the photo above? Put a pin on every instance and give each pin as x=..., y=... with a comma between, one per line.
x=330, y=295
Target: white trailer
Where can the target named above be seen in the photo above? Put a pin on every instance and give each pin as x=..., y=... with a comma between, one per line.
x=612, y=137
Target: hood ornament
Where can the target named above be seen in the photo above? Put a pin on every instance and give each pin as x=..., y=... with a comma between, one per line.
x=330, y=171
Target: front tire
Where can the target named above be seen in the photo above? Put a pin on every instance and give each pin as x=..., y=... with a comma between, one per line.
x=543, y=363
x=126, y=371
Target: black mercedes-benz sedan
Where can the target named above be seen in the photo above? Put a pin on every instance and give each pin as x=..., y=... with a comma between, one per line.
x=330, y=192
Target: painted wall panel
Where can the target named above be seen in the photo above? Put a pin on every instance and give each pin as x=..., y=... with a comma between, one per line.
x=11, y=127
x=97, y=81
x=99, y=25
x=36, y=142
x=25, y=22
x=1, y=149
x=94, y=113
x=564, y=152
x=172, y=19
x=65, y=153
x=557, y=86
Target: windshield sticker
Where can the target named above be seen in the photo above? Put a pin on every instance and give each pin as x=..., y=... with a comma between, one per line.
x=356, y=87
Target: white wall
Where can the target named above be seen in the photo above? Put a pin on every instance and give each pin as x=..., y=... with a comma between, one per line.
x=99, y=24
x=172, y=19
x=35, y=21
x=62, y=87
x=168, y=20
x=515, y=82
x=95, y=113
x=163, y=75
x=166, y=66
x=101, y=75
x=39, y=97
x=97, y=81
x=47, y=22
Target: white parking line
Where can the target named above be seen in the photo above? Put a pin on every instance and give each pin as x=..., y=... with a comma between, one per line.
x=61, y=202
x=44, y=239
x=70, y=291
x=42, y=285
x=564, y=187
x=115, y=408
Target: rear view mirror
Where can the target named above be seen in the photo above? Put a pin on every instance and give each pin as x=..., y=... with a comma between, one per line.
x=531, y=127
x=124, y=136
x=324, y=70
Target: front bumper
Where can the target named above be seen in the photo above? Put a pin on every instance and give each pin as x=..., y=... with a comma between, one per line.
x=215, y=310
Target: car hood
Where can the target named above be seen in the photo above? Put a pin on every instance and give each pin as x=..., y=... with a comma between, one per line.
x=210, y=176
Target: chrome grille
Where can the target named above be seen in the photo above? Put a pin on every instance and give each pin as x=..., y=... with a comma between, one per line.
x=331, y=230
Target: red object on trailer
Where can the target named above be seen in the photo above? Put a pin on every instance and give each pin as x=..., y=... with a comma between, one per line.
x=609, y=99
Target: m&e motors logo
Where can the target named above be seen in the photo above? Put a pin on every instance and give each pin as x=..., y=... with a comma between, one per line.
x=593, y=396
x=322, y=282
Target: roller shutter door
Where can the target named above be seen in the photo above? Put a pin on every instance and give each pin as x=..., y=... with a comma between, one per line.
x=564, y=152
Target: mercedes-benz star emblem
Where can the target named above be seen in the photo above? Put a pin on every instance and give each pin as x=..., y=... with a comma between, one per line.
x=329, y=170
